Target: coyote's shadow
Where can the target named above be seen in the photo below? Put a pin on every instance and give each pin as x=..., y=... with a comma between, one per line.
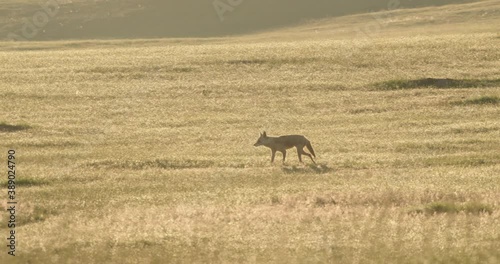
x=311, y=168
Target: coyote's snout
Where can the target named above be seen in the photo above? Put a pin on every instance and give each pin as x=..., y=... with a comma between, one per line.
x=283, y=143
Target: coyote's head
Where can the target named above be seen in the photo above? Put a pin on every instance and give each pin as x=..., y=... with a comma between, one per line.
x=261, y=139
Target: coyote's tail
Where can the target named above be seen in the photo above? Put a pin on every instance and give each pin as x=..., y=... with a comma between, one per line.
x=310, y=148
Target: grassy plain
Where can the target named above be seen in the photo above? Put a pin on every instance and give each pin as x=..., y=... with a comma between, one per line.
x=141, y=151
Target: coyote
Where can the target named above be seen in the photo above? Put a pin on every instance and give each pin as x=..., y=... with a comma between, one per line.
x=283, y=143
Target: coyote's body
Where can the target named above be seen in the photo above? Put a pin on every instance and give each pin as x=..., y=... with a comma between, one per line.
x=283, y=143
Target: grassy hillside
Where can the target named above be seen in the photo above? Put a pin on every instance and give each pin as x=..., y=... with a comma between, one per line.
x=108, y=19
x=482, y=16
x=141, y=151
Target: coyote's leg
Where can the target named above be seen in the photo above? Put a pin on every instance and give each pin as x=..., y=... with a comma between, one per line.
x=272, y=155
x=299, y=153
x=310, y=156
x=284, y=155
x=302, y=152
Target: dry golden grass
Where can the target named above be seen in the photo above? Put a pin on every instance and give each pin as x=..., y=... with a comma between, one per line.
x=143, y=153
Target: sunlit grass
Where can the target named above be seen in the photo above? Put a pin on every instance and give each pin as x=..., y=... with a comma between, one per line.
x=137, y=154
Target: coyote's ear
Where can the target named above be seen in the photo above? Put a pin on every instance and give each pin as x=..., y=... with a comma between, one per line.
x=264, y=134
x=260, y=134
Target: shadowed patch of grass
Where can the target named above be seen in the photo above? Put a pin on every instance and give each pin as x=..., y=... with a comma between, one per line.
x=30, y=182
x=442, y=83
x=366, y=110
x=474, y=130
x=135, y=69
x=4, y=127
x=326, y=87
x=182, y=69
x=46, y=144
x=275, y=200
x=275, y=61
x=166, y=164
x=27, y=182
x=247, y=61
x=324, y=201
x=157, y=163
x=483, y=100
x=441, y=208
x=453, y=208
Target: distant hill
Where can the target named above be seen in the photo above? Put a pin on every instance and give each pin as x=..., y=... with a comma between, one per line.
x=475, y=17
x=109, y=19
